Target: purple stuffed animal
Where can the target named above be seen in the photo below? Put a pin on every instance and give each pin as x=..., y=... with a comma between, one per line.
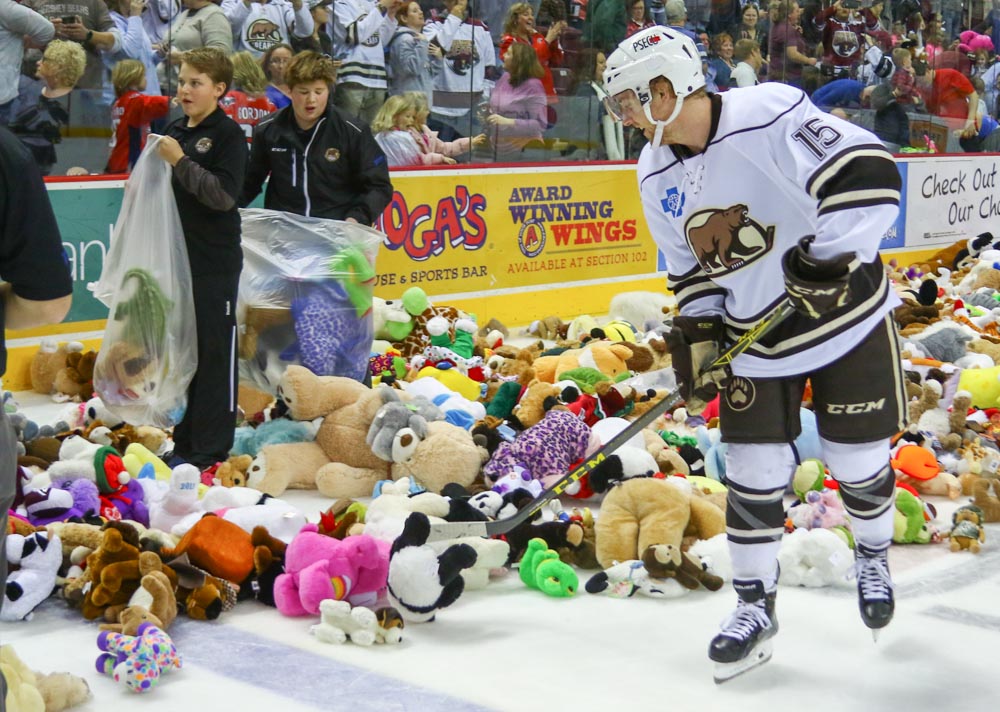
x=546, y=449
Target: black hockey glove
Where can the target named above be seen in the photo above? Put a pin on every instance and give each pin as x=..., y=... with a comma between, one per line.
x=694, y=343
x=815, y=286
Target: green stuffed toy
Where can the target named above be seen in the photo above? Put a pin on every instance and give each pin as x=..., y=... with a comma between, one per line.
x=145, y=313
x=909, y=524
x=542, y=569
x=808, y=477
x=357, y=275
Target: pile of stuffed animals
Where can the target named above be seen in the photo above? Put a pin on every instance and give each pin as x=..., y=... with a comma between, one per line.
x=463, y=426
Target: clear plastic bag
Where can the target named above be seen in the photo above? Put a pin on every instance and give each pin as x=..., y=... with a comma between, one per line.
x=305, y=296
x=150, y=349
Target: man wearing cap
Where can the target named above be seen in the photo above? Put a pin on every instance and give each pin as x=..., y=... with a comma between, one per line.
x=843, y=28
x=259, y=25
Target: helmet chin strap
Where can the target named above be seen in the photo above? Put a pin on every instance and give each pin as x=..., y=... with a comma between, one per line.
x=661, y=125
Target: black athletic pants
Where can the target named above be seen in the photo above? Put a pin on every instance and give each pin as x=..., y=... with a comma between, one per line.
x=205, y=435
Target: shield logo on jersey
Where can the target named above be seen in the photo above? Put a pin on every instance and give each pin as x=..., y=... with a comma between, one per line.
x=331, y=154
x=204, y=145
x=723, y=240
x=674, y=202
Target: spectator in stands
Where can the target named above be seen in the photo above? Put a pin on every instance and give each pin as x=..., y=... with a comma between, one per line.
x=677, y=17
x=638, y=17
x=948, y=94
x=934, y=40
x=766, y=24
x=42, y=106
x=157, y=18
x=724, y=15
x=606, y=24
x=904, y=79
x=332, y=168
x=991, y=81
x=748, y=63
x=259, y=25
x=246, y=102
x=595, y=132
x=201, y=24
x=891, y=122
x=788, y=52
x=208, y=156
x=414, y=61
x=699, y=14
x=842, y=27
x=391, y=127
x=469, y=59
x=94, y=30
x=748, y=29
x=520, y=29
x=428, y=140
x=361, y=30
x=722, y=59
x=18, y=24
x=517, y=107
x=550, y=12
x=320, y=39
x=839, y=93
x=274, y=63
x=986, y=123
x=991, y=24
x=131, y=114
x=135, y=43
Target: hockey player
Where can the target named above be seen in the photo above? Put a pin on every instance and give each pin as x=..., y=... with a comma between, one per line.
x=754, y=197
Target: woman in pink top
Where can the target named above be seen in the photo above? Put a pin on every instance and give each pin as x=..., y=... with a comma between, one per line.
x=518, y=107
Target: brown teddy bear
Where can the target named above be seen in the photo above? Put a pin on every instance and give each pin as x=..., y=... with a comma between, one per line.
x=153, y=601
x=611, y=359
x=111, y=575
x=76, y=378
x=48, y=361
x=642, y=510
x=664, y=561
x=233, y=472
x=339, y=463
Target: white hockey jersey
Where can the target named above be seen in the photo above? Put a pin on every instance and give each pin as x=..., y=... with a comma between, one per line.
x=260, y=27
x=776, y=168
x=360, y=35
x=468, y=51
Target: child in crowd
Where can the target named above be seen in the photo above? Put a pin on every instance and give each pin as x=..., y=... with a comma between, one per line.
x=903, y=78
x=208, y=152
x=391, y=127
x=435, y=150
x=131, y=115
x=985, y=122
x=246, y=103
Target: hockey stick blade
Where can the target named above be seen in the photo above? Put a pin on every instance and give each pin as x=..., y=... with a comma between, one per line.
x=455, y=530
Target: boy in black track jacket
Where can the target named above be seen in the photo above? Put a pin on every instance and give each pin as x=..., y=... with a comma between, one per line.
x=208, y=152
x=322, y=162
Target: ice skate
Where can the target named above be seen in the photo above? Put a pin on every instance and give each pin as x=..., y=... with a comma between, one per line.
x=875, y=598
x=745, y=639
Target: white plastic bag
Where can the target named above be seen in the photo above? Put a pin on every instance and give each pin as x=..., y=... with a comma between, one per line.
x=150, y=348
x=305, y=296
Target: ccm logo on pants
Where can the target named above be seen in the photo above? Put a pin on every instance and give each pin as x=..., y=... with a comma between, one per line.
x=855, y=408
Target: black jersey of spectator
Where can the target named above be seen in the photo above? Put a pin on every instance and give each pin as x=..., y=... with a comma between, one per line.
x=212, y=235
x=336, y=170
x=32, y=258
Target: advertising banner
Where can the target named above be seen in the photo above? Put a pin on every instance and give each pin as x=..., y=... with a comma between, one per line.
x=951, y=198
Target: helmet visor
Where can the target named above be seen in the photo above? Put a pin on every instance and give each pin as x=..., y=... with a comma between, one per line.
x=623, y=105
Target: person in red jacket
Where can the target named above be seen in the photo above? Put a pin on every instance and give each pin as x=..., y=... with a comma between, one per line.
x=520, y=27
x=131, y=115
x=947, y=93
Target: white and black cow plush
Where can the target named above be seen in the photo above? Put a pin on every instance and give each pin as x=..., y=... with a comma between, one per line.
x=420, y=581
x=39, y=558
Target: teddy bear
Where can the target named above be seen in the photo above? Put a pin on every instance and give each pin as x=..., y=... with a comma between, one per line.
x=75, y=380
x=319, y=567
x=233, y=472
x=39, y=557
x=339, y=463
x=30, y=691
x=549, y=328
x=340, y=622
x=48, y=361
x=154, y=600
x=111, y=574
x=642, y=510
x=608, y=358
x=967, y=529
x=665, y=561
x=137, y=661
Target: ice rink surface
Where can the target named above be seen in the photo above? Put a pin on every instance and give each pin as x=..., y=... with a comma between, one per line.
x=510, y=648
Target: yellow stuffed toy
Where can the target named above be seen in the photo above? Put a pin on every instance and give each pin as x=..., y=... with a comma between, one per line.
x=28, y=691
x=609, y=359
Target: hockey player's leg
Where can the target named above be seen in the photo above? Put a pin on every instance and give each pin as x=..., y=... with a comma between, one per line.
x=867, y=486
x=757, y=477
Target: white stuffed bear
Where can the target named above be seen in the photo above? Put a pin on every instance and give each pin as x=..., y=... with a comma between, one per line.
x=339, y=622
x=814, y=558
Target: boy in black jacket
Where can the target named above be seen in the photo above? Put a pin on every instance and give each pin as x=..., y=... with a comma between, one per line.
x=208, y=152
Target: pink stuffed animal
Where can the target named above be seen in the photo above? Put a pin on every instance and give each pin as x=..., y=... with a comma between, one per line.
x=970, y=42
x=821, y=510
x=318, y=567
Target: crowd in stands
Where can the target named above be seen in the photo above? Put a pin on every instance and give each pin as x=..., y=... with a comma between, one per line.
x=446, y=81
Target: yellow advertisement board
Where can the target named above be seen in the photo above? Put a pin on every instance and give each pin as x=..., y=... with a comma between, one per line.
x=478, y=231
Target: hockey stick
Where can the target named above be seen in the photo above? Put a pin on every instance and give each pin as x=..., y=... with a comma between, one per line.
x=455, y=530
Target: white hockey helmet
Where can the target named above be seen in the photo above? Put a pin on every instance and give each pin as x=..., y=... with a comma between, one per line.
x=648, y=54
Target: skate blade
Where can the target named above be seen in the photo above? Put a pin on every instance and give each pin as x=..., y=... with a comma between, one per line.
x=760, y=655
x=875, y=634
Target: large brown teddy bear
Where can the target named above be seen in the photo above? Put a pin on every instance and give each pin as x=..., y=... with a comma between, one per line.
x=340, y=463
x=641, y=511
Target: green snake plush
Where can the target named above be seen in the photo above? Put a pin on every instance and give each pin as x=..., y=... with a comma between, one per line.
x=542, y=569
x=145, y=312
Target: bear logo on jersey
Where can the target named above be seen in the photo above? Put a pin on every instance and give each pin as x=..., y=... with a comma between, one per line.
x=331, y=155
x=204, y=145
x=723, y=240
x=262, y=34
x=740, y=393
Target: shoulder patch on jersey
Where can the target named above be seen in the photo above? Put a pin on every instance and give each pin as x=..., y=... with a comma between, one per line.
x=726, y=239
